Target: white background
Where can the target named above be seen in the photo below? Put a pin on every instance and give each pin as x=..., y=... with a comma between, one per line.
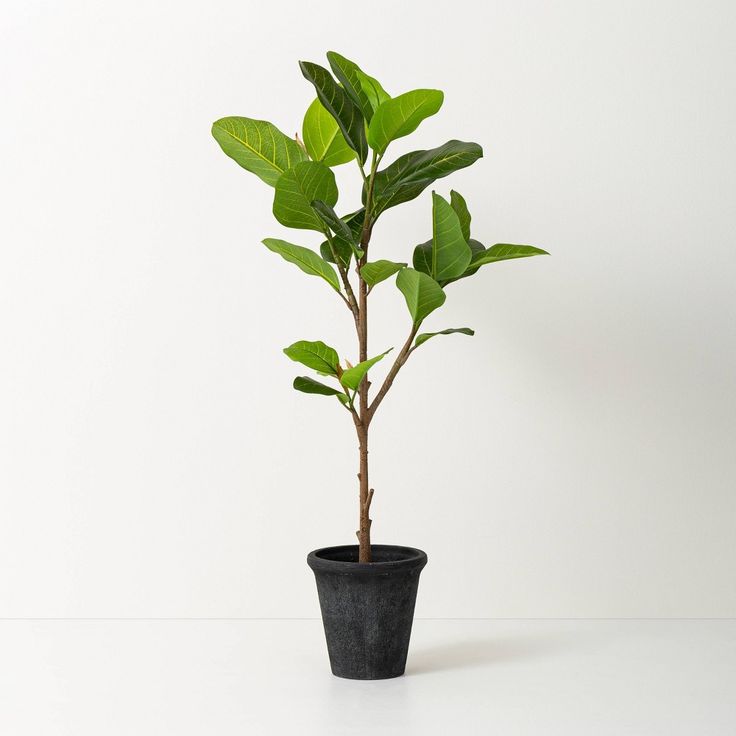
x=574, y=459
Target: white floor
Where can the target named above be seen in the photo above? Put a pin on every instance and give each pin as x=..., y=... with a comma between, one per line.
x=216, y=678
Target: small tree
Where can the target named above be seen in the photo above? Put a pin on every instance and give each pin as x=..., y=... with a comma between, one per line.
x=353, y=119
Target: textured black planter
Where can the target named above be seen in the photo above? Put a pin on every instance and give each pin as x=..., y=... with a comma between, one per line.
x=367, y=608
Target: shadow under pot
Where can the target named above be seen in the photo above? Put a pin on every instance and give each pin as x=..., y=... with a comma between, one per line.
x=367, y=608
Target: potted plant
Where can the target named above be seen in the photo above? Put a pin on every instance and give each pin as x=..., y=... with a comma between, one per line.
x=367, y=592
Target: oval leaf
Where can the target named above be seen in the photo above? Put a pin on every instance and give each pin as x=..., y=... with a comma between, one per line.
x=322, y=137
x=316, y=355
x=505, y=252
x=352, y=377
x=427, y=335
x=297, y=188
x=408, y=176
x=461, y=210
x=306, y=259
x=346, y=72
x=308, y=385
x=377, y=271
x=422, y=293
x=338, y=103
x=258, y=146
x=450, y=252
x=401, y=115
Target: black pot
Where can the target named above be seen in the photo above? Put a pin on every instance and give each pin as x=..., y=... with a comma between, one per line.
x=367, y=608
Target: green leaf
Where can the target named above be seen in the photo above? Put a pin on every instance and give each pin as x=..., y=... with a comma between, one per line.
x=375, y=93
x=309, y=386
x=316, y=355
x=377, y=271
x=422, y=293
x=426, y=335
x=330, y=218
x=338, y=103
x=450, y=252
x=476, y=247
x=461, y=210
x=344, y=248
x=258, y=146
x=505, y=252
x=306, y=259
x=322, y=137
x=447, y=255
x=352, y=377
x=401, y=115
x=346, y=72
x=297, y=188
x=408, y=176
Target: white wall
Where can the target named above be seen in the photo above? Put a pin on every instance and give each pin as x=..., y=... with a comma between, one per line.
x=575, y=458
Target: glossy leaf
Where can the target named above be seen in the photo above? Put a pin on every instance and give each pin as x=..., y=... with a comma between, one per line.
x=343, y=247
x=375, y=93
x=461, y=210
x=450, y=252
x=427, y=335
x=377, y=271
x=352, y=377
x=401, y=116
x=422, y=293
x=476, y=247
x=331, y=220
x=422, y=257
x=308, y=385
x=297, y=188
x=346, y=72
x=408, y=176
x=338, y=103
x=258, y=146
x=306, y=259
x=322, y=137
x=505, y=252
x=316, y=355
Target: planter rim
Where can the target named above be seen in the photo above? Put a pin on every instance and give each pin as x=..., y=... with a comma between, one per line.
x=322, y=559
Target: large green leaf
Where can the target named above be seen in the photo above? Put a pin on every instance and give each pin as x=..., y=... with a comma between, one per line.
x=338, y=103
x=377, y=271
x=476, y=247
x=401, y=116
x=422, y=293
x=322, y=137
x=447, y=255
x=347, y=73
x=408, y=176
x=450, y=252
x=309, y=386
x=258, y=146
x=352, y=377
x=452, y=330
x=505, y=252
x=297, y=188
x=461, y=210
x=316, y=355
x=306, y=259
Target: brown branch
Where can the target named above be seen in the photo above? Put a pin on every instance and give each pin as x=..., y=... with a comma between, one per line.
x=401, y=358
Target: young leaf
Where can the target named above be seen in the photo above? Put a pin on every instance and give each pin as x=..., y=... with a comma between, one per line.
x=297, y=188
x=408, y=176
x=333, y=222
x=401, y=115
x=316, y=355
x=258, y=146
x=338, y=103
x=346, y=72
x=422, y=293
x=461, y=210
x=352, y=377
x=309, y=386
x=377, y=271
x=422, y=258
x=450, y=252
x=375, y=93
x=504, y=252
x=426, y=335
x=306, y=259
x=343, y=251
x=344, y=248
x=322, y=137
